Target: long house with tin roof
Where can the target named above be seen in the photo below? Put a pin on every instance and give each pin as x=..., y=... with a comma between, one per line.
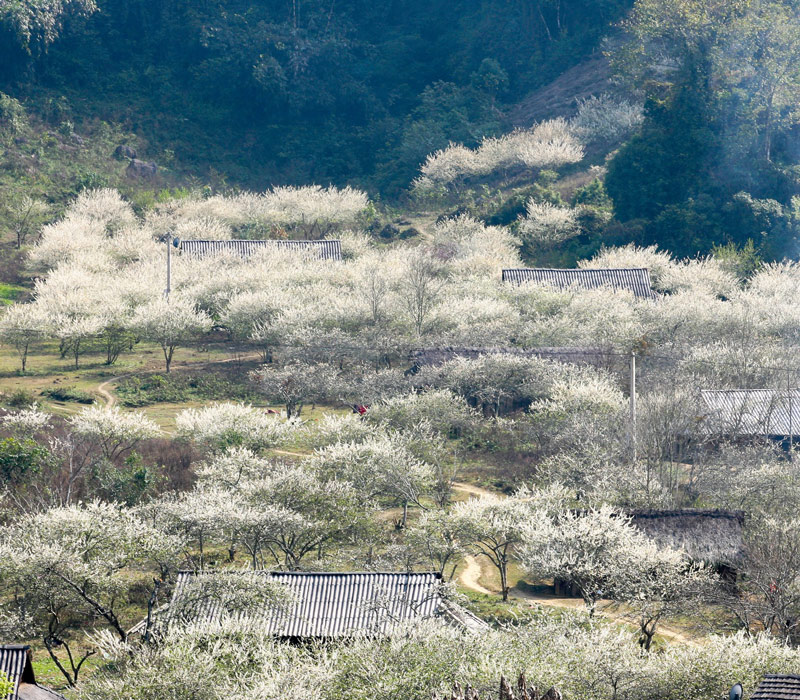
x=634, y=280
x=749, y=413
x=323, y=249
x=328, y=606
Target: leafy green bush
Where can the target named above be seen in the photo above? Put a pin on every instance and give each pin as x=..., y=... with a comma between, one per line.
x=19, y=398
x=68, y=393
x=179, y=388
x=20, y=459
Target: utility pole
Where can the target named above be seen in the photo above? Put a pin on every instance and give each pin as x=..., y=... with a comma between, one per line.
x=171, y=241
x=791, y=417
x=633, y=404
x=169, y=265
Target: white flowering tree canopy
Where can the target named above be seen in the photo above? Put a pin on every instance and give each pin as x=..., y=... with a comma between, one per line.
x=223, y=425
x=75, y=557
x=26, y=421
x=550, y=144
x=115, y=431
x=605, y=556
x=548, y=224
x=170, y=323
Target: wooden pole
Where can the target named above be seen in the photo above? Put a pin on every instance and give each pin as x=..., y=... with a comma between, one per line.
x=169, y=266
x=633, y=405
x=791, y=417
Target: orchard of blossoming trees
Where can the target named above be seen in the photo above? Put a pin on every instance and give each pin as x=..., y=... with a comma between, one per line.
x=361, y=460
x=103, y=507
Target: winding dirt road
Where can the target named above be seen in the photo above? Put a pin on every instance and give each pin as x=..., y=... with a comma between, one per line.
x=472, y=490
x=471, y=575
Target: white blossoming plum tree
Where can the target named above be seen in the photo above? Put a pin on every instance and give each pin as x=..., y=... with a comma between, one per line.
x=69, y=565
x=170, y=323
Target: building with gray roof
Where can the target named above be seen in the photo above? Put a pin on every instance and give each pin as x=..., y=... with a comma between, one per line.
x=634, y=280
x=324, y=249
x=328, y=605
x=778, y=687
x=16, y=663
x=769, y=413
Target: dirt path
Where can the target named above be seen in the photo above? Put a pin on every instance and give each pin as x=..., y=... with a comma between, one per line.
x=471, y=575
x=472, y=490
x=671, y=634
x=102, y=389
x=290, y=454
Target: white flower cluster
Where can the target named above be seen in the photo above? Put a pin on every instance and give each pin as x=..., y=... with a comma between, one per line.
x=224, y=425
x=603, y=118
x=548, y=224
x=550, y=144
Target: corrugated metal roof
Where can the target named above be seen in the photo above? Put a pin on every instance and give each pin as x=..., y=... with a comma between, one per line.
x=636, y=280
x=15, y=661
x=16, y=664
x=763, y=412
x=325, y=250
x=331, y=605
x=777, y=687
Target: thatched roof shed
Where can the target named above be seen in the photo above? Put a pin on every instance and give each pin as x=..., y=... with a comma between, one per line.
x=324, y=250
x=712, y=536
x=777, y=687
x=635, y=280
x=15, y=662
x=751, y=412
x=338, y=605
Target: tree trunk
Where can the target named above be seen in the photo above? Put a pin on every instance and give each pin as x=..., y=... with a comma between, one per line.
x=168, y=352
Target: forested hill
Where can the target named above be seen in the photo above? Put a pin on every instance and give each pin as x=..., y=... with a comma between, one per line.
x=688, y=117
x=292, y=91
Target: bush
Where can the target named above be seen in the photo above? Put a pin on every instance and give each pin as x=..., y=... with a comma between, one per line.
x=443, y=410
x=68, y=393
x=20, y=459
x=178, y=388
x=20, y=398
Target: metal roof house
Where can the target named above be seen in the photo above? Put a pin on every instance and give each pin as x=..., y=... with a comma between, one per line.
x=324, y=250
x=778, y=687
x=333, y=605
x=766, y=413
x=635, y=280
x=15, y=662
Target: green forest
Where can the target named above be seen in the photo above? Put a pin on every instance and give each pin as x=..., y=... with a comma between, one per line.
x=347, y=92
x=250, y=95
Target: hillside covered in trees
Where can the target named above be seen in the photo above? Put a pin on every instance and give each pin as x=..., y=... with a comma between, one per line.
x=367, y=349
x=230, y=94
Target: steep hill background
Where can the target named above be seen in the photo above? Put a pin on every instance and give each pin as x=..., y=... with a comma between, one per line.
x=291, y=91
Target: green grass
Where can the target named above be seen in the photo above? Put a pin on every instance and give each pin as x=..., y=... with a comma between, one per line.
x=9, y=293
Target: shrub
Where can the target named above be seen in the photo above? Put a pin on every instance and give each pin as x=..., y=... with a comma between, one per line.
x=68, y=393
x=20, y=398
